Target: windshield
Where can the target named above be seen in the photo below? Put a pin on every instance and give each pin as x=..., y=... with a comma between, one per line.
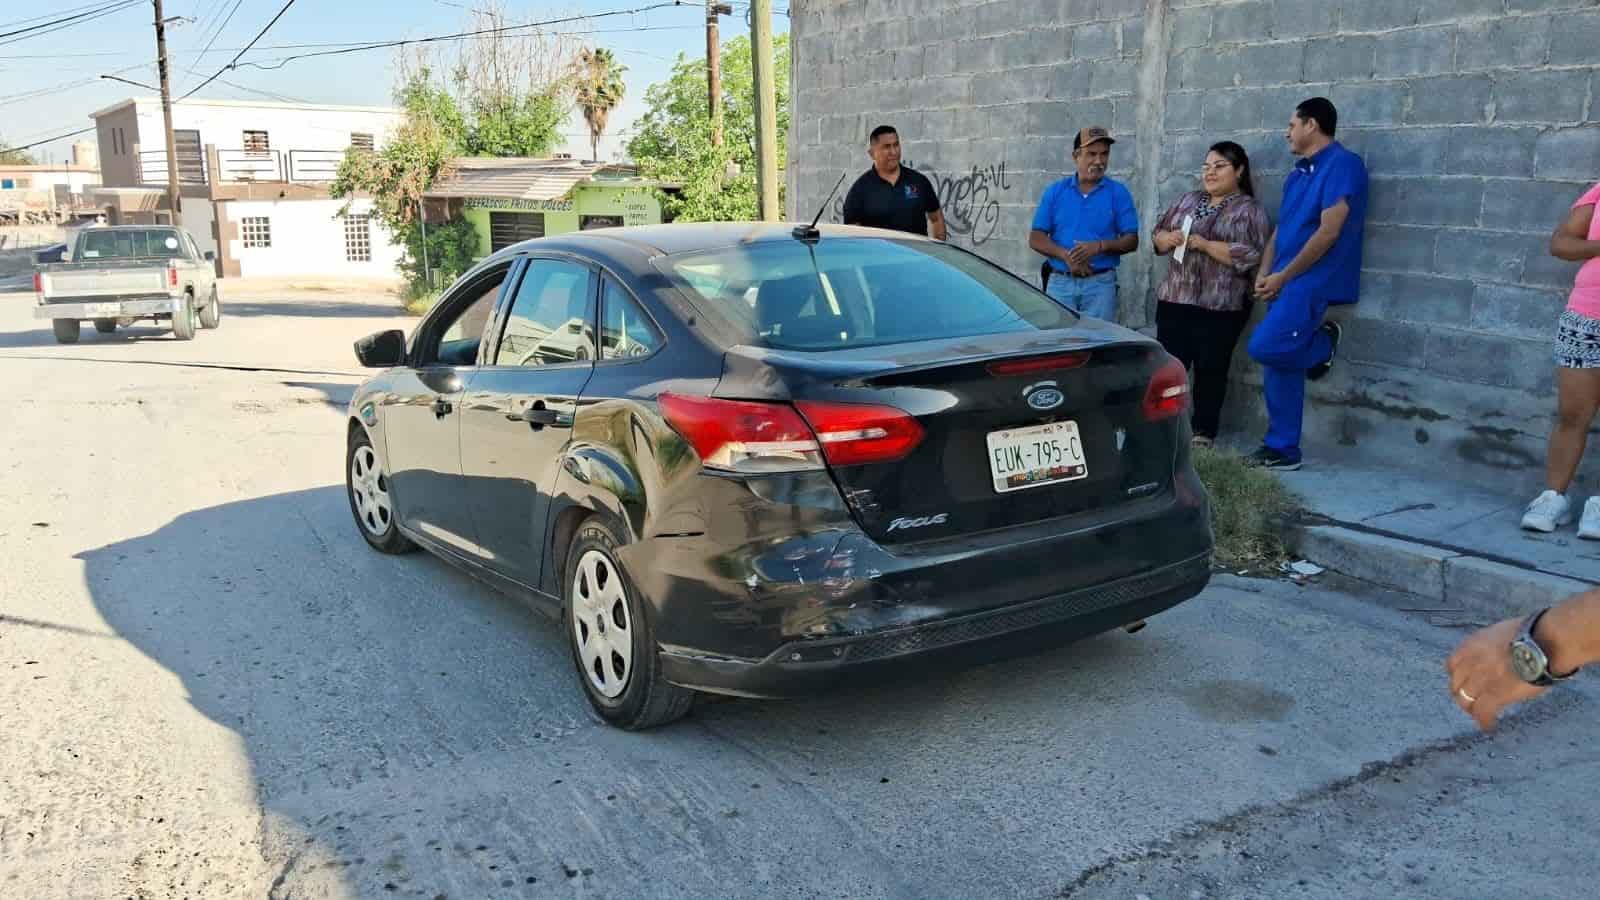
x=147, y=243
x=858, y=292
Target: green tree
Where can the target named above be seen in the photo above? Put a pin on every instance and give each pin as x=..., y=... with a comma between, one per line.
x=14, y=157
x=598, y=88
x=672, y=140
x=480, y=116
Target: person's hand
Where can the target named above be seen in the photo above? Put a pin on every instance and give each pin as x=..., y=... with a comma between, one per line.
x=1081, y=253
x=1482, y=681
x=1168, y=241
x=1269, y=286
x=1197, y=243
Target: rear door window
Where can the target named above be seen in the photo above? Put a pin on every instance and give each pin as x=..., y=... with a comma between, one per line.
x=625, y=331
x=851, y=292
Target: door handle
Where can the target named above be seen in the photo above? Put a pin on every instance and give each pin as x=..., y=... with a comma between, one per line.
x=538, y=416
x=442, y=408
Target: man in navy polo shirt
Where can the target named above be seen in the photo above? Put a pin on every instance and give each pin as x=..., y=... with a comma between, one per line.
x=1084, y=225
x=1312, y=260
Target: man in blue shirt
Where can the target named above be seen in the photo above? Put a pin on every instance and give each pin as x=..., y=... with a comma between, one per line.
x=1084, y=225
x=1312, y=260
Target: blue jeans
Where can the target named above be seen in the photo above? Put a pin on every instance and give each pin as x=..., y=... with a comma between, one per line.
x=1289, y=341
x=1093, y=296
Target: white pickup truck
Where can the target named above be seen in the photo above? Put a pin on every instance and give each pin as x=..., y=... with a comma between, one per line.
x=118, y=274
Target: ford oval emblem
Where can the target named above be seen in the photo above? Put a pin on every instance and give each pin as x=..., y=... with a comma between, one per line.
x=1045, y=398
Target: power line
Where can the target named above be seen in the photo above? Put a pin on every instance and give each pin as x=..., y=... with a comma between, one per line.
x=47, y=140
x=246, y=49
x=214, y=35
x=55, y=13
x=45, y=28
x=464, y=34
x=62, y=87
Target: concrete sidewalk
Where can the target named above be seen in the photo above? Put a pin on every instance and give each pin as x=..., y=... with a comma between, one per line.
x=1456, y=545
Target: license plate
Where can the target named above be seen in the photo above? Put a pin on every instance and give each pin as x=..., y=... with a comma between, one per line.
x=1021, y=458
x=103, y=309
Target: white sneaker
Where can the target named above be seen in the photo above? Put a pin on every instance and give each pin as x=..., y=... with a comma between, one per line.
x=1589, y=525
x=1548, y=512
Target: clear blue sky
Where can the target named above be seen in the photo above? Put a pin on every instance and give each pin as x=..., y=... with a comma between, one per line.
x=123, y=43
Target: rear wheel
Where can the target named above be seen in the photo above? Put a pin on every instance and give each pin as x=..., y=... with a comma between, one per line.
x=105, y=326
x=184, y=321
x=66, y=330
x=367, y=486
x=613, y=643
x=211, y=315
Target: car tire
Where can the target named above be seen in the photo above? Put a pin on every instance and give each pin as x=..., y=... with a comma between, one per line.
x=367, y=489
x=211, y=315
x=105, y=326
x=601, y=605
x=66, y=330
x=184, y=320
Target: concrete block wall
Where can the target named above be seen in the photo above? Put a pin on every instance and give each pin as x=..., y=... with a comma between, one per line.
x=1477, y=119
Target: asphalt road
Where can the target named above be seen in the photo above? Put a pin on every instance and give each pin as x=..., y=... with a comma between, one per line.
x=211, y=687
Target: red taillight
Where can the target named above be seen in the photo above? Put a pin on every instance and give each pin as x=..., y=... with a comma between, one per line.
x=172, y=274
x=1038, y=364
x=739, y=436
x=744, y=436
x=38, y=282
x=1168, y=393
x=853, y=434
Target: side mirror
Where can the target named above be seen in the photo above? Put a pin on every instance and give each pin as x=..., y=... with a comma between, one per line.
x=382, y=349
x=210, y=255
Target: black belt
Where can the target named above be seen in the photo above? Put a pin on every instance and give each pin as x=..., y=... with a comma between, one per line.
x=1091, y=274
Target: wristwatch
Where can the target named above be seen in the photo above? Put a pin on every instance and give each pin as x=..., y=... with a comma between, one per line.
x=1529, y=660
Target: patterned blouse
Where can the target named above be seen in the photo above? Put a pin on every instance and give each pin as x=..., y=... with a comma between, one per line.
x=1201, y=281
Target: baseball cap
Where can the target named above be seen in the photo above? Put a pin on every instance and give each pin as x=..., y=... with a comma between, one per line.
x=1091, y=134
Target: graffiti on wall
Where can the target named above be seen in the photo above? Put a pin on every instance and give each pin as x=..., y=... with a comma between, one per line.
x=971, y=202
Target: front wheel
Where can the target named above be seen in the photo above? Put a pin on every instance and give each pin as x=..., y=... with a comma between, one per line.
x=612, y=641
x=184, y=320
x=211, y=315
x=367, y=486
x=66, y=330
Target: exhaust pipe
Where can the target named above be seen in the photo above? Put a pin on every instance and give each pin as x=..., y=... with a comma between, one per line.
x=1134, y=627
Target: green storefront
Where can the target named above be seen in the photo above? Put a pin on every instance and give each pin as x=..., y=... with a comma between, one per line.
x=512, y=200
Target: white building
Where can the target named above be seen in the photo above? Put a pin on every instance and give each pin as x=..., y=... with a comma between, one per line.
x=253, y=181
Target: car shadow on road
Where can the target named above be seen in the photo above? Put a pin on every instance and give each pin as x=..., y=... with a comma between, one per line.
x=88, y=336
x=365, y=688
x=254, y=307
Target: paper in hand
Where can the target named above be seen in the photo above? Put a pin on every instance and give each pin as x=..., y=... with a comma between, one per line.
x=1183, y=248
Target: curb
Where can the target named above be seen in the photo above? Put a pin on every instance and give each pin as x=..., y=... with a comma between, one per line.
x=1452, y=578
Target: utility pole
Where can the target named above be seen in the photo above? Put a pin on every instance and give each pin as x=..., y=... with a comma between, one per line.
x=766, y=99
x=166, y=113
x=714, y=66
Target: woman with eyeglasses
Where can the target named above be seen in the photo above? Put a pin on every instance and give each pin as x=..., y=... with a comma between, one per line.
x=1204, y=301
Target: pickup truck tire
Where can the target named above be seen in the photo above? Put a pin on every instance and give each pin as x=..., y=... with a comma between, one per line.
x=184, y=320
x=66, y=330
x=211, y=314
x=105, y=326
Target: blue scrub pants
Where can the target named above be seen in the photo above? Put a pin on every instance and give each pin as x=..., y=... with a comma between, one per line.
x=1288, y=341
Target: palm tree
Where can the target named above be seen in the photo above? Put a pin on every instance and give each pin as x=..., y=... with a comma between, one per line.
x=599, y=89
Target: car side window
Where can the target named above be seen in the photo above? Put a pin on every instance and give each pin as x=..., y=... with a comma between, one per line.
x=461, y=336
x=551, y=320
x=625, y=331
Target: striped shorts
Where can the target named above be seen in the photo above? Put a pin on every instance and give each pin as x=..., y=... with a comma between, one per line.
x=1577, y=341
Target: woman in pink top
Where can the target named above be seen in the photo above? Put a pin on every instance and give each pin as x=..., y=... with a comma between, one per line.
x=1578, y=373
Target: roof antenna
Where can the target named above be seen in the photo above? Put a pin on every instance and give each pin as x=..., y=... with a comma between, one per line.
x=810, y=232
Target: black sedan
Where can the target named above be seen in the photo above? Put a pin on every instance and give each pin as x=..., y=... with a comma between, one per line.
x=758, y=461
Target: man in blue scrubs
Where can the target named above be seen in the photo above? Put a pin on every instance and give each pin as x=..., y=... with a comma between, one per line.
x=1312, y=260
x=1084, y=225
